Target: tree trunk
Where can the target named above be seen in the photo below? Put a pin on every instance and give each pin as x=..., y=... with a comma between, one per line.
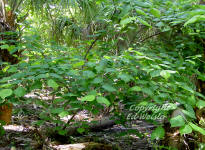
x=8, y=37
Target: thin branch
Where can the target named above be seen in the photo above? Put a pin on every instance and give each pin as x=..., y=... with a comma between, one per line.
x=91, y=46
x=158, y=33
x=68, y=122
x=202, y=41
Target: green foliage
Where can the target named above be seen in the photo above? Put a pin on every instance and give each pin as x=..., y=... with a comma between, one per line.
x=5, y=93
x=158, y=133
x=177, y=121
x=96, y=54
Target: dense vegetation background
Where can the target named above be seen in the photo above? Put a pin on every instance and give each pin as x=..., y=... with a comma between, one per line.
x=106, y=56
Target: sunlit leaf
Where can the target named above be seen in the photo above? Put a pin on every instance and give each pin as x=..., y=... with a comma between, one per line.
x=20, y=91
x=125, y=77
x=158, y=133
x=103, y=100
x=5, y=93
x=195, y=19
x=155, y=12
x=177, y=121
x=88, y=98
x=52, y=84
x=109, y=88
x=200, y=104
x=141, y=12
x=144, y=22
x=185, y=129
x=136, y=89
x=81, y=130
x=127, y=20
x=197, y=128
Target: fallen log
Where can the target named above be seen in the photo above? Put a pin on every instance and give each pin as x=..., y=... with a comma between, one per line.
x=98, y=126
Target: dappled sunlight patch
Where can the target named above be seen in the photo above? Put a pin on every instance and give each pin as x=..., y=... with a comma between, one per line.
x=78, y=146
x=85, y=146
x=17, y=128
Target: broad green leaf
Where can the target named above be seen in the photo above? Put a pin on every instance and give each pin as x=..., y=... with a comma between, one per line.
x=147, y=91
x=201, y=76
x=20, y=91
x=190, y=114
x=109, y=88
x=141, y=12
x=144, y=22
x=136, y=89
x=110, y=70
x=171, y=106
x=197, y=128
x=2, y=131
x=195, y=19
x=78, y=64
x=200, y=95
x=88, y=74
x=81, y=130
x=5, y=93
x=163, y=95
x=88, y=98
x=41, y=76
x=6, y=86
x=38, y=123
x=63, y=114
x=36, y=85
x=166, y=73
x=186, y=87
x=177, y=121
x=5, y=79
x=103, y=100
x=93, y=92
x=142, y=4
x=200, y=104
x=160, y=24
x=158, y=133
x=62, y=132
x=57, y=110
x=125, y=77
x=155, y=12
x=99, y=68
x=52, y=84
x=5, y=69
x=54, y=75
x=200, y=11
x=58, y=100
x=191, y=100
x=70, y=95
x=155, y=73
x=185, y=129
x=4, y=46
x=97, y=80
x=127, y=20
x=12, y=70
x=143, y=103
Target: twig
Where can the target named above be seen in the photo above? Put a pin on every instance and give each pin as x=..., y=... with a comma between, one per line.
x=68, y=122
x=91, y=46
x=202, y=41
x=151, y=36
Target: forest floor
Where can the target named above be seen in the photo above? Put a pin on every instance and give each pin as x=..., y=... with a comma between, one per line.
x=22, y=134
